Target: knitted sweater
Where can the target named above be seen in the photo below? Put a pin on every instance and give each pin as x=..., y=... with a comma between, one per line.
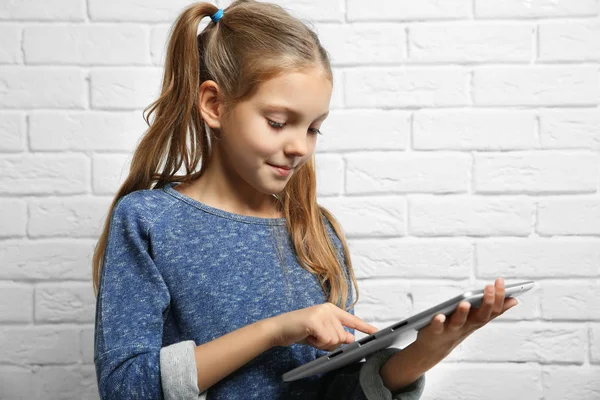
x=178, y=273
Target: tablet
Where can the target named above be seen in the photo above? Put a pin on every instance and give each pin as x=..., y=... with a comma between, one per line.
x=356, y=351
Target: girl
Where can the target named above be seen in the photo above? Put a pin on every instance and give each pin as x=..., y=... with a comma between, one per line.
x=214, y=283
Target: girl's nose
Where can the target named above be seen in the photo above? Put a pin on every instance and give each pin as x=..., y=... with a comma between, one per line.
x=297, y=144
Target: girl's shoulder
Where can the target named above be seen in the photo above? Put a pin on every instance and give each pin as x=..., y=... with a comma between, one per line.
x=144, y=205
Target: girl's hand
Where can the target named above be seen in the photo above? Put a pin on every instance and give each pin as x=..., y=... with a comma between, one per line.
x=320, y=326
x=441, y=336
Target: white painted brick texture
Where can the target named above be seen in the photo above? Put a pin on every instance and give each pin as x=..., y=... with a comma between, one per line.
x=463, y=144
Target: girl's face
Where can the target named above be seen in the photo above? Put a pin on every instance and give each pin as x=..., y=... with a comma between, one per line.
x=260, y=131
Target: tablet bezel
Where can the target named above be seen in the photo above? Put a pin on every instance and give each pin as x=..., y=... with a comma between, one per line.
x=385, y=337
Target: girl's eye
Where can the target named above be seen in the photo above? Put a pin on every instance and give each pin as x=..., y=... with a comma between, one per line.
x=276, y=125
x=279, y=125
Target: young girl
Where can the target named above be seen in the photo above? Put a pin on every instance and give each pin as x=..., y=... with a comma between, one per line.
x=214, y=283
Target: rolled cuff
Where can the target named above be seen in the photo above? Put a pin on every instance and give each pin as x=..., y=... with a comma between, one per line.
x=178, y=371
x=372, y=383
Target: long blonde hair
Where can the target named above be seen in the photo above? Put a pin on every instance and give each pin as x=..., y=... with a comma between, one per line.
x=251, y=43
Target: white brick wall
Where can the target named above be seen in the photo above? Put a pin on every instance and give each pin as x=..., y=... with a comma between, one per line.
x=463, y=145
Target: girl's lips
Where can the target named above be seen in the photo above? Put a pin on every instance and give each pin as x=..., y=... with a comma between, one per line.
x=281, y=171
x=279, y=166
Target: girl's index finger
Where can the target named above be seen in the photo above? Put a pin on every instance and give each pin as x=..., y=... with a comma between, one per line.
x=373, y=329
x=362, y=325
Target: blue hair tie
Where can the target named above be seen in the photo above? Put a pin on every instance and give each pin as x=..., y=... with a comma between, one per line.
x=217, y=16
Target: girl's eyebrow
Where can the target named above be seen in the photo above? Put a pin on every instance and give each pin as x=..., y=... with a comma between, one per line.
x=278, y=107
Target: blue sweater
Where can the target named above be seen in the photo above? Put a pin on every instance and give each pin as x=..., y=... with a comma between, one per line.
x=178, y=273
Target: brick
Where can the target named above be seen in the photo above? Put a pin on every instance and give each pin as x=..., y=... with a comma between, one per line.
x=543, y=85
x=54, y=217
x=534, y=8
x=377, y=296
x=46, y=259
x=86, y=45
x=404, y=10
x=73, y=302
x=564, y=129
x=469, y=129
x=386, y=130
x=536, y=172
x=44, y=174
x=16, y=302
x=42, y=87
x=395, y=173
x=538, y=257
x=71, y=381
x=412, y=258
x=485, y=380
x=569, y=41
x=10, y=44
x=81, y=131
x=109, y=171
x=57, y=10
x=53, y=344
x=131, y=10
x=569, y=216
x=570, y=382
x=364, y=43
x=470, y=42
x=13, y=214
x=455, y=215
x=330, y=175
x=124, y=88
x=324, y=10
x=379, y=216
x=405, y=87
x=13, y=132
x=595, y=343
x=502, y=341
x=575, y=300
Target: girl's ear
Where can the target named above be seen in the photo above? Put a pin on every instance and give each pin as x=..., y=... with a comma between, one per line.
x=209, y=104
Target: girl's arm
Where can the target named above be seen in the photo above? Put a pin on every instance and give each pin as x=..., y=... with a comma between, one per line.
x=220, y=357
x=437, y=340
x=412, y=361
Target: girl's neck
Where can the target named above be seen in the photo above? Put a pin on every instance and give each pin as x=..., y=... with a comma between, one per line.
x=201, y=190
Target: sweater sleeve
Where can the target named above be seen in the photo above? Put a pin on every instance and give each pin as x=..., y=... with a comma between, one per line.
x=179, y=375
x=131, y=306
